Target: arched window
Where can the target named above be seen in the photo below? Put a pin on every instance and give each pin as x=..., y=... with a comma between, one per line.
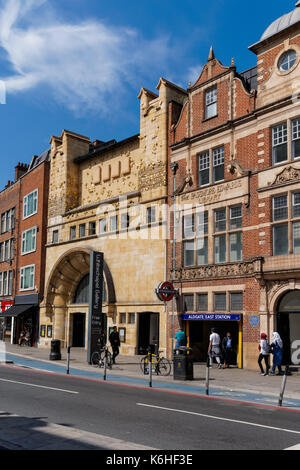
x=82, y=291
x=290, y=302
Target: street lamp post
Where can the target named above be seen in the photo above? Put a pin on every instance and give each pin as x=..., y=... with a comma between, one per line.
x=174, y=168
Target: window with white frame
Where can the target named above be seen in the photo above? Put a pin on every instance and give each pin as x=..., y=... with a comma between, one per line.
x=30, y=204
x=27, y=278
x=211, y=102
x=29, y=241
x=228, y=236
x=8, y=221
x=204, y=169
x=286, y=224
x=211, y=167
x=195, y=244
x=103, y=226
x=218, y=164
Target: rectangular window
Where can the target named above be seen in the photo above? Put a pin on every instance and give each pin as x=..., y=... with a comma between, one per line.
x=29, y=241
x=82, y=230
x=296, y=237
x=10, y=282
x=92, y=228
x=1, y=252
x=7, y=250
x=235, y=217
x=280, y=207
x=103, y=226
x=220, y=302
x=235, y=243
x=202, y=302
x=220, y=249
x=202, y=251
x=296, y=205
x=1, y=284
x=211, y=99
x=55, y=236
x=131, y=318
x=125, y=221
x=280, y=240
x=72, y=233
x=296, y=138
x=151, y=214
x=189, y=251
x=202, y=223
x=236, y=301
x=220, y=220
x=123, y=318
x=114, y=223
x=27, y=275
x=30, y=204
x=204, y=169
x=3, y=223
x=218, y=164
x=188, y=226
x=188, y=303
x=279, y=143
x=5, y=283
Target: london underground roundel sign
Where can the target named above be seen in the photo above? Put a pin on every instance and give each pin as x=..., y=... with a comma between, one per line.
x=165, y=291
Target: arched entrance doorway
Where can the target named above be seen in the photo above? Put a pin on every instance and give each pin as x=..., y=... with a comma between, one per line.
x=288, y=323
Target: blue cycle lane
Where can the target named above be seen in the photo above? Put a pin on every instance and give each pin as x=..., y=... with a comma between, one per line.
x=241, y=396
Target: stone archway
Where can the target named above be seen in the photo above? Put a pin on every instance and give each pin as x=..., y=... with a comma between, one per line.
x=61, y=286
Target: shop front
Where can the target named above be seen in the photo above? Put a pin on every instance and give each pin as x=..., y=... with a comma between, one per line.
x=198, y=329
x=5, y=322
x=22, y=314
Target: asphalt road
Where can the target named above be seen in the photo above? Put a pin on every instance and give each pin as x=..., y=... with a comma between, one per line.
x=32, y=402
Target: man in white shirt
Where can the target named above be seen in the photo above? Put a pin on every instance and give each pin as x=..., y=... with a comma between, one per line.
x=214, y=349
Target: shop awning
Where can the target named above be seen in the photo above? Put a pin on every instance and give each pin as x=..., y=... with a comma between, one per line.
x=16, y=310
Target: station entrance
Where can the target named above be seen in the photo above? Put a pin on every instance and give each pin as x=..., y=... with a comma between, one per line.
x=198, y=333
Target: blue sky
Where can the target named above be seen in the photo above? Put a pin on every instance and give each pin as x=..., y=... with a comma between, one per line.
x=80, y=64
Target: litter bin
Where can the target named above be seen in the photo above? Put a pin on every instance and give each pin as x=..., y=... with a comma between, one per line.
x=55, y=354
x=183, y=364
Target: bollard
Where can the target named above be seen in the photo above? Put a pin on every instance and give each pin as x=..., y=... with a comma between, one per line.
x=207, y=375
x=68, y=360
x=283, y=386
x=105, y=365
x=150, y=369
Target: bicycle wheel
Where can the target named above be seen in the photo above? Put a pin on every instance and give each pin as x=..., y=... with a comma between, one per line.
x=164, y=366
x=144, y=364
x=95, y=359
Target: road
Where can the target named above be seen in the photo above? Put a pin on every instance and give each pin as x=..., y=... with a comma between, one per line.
x=46, y=411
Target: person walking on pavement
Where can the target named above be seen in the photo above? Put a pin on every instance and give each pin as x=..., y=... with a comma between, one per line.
x=277, y=349
x=227, y=348
x=114, y=339
x=180, y=338
x=214, y=349
x=264, y=353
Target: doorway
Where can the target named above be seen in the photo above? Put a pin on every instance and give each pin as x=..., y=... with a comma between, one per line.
x=78, y=330
x=148, y=331
x=288, y=324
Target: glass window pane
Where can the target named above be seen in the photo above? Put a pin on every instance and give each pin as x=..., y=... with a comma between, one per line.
x=296, y=205
x=202, y=302
x=188, y=226
x=188, y=303
x=280, y=240
x=189, y=253
x=202, y=223
x=219, y=302
x=220, y=249
x=236, y=301
x=235, y=217
x=202, y=251
x=235, y=241
x=280, y=207
x=220, y=220
x=296, y=237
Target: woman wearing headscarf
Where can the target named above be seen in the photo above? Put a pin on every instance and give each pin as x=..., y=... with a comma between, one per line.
x=277, y=347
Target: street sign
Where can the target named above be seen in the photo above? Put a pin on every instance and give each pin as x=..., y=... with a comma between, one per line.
x=97, y=318
x=166, y=291
x=212, y=317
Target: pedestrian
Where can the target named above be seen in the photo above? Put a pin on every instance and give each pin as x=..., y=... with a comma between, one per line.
x=114, y=339
x=228, y=350
x=277, y=349
x=214, y=348
x=180, y=338
x=264, y=352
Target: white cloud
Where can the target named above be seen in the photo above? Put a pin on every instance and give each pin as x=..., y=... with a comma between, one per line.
x=86, y=66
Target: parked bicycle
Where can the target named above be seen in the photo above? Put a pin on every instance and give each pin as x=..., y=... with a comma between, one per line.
x=98, y=358
x=160, y=365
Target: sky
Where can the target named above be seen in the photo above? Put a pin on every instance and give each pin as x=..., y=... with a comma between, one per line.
x=80, y=64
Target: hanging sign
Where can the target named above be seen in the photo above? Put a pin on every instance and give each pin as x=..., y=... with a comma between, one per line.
x=165, y=291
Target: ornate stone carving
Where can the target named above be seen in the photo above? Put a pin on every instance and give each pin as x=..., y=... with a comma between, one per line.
x=288, y=175
x=220, y=271
x=153, y=177
x=235, y=167
x=187, y=181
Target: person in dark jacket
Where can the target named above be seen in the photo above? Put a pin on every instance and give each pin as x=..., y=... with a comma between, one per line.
x=114, y=339
x=228, y=350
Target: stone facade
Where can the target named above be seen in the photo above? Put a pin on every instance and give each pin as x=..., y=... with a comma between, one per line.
x=110, y=197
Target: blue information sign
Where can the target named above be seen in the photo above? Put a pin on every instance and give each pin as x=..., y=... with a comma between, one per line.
x=212, y=317
x=254, y=320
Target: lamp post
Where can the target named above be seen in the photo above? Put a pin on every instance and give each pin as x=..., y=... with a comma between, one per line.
x=174, y=168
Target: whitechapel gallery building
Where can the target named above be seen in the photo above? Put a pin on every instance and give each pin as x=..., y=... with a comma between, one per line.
x=109, y=197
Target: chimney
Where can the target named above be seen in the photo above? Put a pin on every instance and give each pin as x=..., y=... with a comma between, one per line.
x=20, y=170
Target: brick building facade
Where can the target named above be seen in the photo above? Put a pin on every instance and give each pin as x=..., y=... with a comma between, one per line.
x=236, y=143
x=23, y=210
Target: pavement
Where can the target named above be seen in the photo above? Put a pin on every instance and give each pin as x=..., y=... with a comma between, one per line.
x=231, y=384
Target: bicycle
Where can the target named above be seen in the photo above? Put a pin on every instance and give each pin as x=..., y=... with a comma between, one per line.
x=98, y=358
x=160, y=365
